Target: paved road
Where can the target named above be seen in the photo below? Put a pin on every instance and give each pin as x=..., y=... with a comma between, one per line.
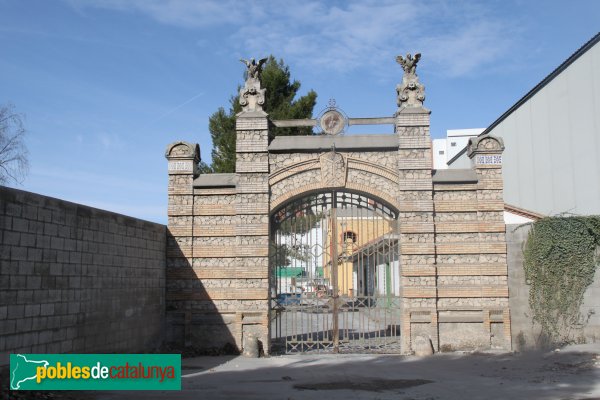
x=573, y=373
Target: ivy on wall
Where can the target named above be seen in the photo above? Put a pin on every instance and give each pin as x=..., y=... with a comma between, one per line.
x=560, y=259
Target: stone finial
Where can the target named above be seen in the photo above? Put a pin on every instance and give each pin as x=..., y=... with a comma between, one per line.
x=411, y=93
x=409, y=64
x=183, y=149
x=485, y=144
x=183, y=158
x=252, y=97
x=485, y=151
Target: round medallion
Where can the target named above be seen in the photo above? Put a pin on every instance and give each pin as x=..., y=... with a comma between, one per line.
x=332, y=122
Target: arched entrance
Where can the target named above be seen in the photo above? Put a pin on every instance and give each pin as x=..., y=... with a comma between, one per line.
x=299, y=247
x=334, y=274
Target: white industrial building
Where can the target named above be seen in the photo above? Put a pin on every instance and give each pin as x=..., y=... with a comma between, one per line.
x=551, y=164
x=455, y=141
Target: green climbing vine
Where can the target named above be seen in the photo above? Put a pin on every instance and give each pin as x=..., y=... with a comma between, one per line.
x=560, y=258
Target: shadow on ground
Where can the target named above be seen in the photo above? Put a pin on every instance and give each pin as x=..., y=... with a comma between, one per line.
x=573, y=374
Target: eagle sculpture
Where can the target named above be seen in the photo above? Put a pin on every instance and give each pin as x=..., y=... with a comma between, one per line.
x=254, y=68
x=409, y=64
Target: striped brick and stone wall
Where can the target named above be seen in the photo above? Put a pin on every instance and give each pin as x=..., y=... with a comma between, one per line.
x=370, y=172
x=75, y=279
x=472, y=287
x=454, y=289
x=452, y=244
x=251, y=248
x=416, y=222
x=217, y=267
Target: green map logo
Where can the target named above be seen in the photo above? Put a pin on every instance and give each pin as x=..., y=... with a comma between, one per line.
x=95, y=372
x=24, y=370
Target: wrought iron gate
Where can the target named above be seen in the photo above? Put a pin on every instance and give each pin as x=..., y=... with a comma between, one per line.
x=335, y=275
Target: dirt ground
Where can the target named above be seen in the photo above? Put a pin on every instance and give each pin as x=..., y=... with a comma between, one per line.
x=572, y=373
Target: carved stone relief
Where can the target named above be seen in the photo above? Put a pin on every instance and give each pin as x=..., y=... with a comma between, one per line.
x=333, y=169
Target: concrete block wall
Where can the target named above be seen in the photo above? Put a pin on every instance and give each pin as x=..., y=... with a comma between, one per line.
x=77, y=279
x=590, y=310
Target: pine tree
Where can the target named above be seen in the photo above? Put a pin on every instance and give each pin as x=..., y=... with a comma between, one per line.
x=279, y=104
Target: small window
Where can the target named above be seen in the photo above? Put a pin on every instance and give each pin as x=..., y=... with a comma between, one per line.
x=453, y=144
x=441, y=152
x=349, y=236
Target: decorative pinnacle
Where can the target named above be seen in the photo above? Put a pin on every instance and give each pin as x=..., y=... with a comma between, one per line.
x=411, y=93
x=409, y=64
x=252, y=96
x=254, y=69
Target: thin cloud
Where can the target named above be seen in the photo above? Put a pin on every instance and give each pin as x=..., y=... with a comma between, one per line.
x=464, y=51
x=54, y=35
x=183, y=13
x=171, y=111
x=456, y=38
x=110, y=141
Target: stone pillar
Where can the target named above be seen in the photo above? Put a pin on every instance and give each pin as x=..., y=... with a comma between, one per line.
x=252, y=235
x=416, y=223
x=416, y=219
x=252, y=208
x=183, y=158
x=485, y=153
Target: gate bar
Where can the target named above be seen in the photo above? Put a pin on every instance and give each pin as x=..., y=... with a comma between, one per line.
x=334, y=276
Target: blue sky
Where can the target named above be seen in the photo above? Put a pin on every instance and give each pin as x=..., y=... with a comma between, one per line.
x=105, y=85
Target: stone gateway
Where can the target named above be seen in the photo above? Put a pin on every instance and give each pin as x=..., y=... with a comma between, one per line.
x=337, y=243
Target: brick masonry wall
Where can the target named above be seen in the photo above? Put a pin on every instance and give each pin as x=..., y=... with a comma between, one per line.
x=526, y=334
x=77, y=279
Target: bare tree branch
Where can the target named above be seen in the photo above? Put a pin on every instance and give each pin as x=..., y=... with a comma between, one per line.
x=14, y=163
